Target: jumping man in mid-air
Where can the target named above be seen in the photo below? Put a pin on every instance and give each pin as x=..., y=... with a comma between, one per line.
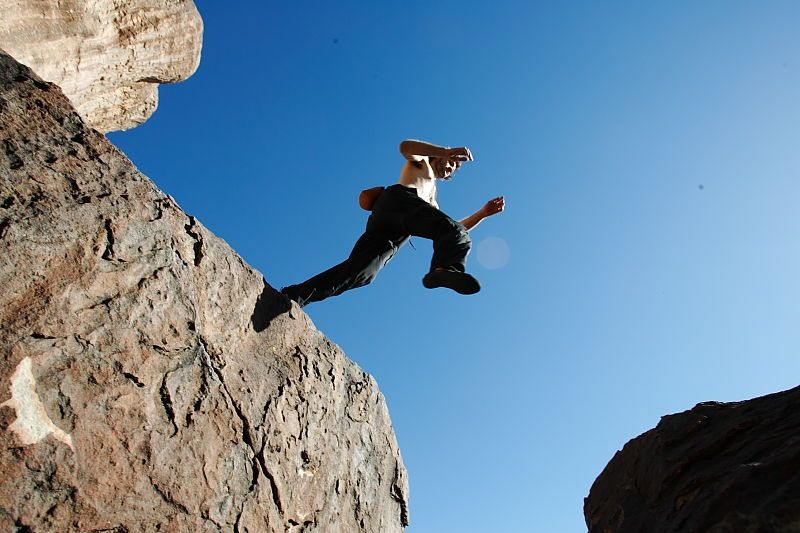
x=400, y=211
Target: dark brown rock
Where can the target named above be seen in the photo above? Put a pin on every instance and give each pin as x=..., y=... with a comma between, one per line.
x=717, y=468
x=150, y=380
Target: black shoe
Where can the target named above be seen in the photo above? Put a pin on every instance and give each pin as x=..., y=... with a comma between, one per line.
x=286, y=294
x=292, y=295
x=461, y=282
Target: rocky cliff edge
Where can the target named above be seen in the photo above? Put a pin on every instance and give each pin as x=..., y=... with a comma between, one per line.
x=150, y=380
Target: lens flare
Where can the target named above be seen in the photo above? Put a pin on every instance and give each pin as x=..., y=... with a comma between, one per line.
x=493, y=253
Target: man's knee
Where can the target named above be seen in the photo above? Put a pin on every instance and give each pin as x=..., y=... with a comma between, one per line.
x=367, y=273
x=456, y=231
x=464, y=234
x=365, y=278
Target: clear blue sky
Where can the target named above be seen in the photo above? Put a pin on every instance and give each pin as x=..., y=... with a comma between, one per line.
x=649, y=158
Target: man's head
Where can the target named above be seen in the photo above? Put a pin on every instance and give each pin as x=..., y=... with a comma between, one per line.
x=443, y=168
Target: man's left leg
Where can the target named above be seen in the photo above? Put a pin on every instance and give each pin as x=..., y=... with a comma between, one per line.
x=371, y=253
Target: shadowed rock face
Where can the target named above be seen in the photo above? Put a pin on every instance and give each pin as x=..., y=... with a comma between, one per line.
x=149, y=378
x=108, y=56
x=718, y=468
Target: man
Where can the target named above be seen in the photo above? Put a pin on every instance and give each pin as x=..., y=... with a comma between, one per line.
x=403, y=210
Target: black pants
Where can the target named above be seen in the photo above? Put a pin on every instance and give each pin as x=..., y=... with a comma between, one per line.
x=398, y=213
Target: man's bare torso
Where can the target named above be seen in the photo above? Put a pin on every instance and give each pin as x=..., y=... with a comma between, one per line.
x=419, y=175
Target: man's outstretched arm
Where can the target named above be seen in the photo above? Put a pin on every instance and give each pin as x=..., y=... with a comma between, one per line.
x=492, y=207
x=416, y=150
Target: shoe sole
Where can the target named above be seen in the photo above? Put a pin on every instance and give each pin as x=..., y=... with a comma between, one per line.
x=458, y=281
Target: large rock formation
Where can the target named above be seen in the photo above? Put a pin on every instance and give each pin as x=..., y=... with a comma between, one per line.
x=150, y=380
x=107, y=56
x=717, y=468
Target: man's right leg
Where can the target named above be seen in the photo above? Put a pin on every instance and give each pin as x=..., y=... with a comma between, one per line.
x=451, y=241
x=403, y=210
x=451, y=244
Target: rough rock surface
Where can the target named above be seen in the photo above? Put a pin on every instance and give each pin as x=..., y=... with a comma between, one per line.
x=717, y=468
x=108, y=56
x=150, y=380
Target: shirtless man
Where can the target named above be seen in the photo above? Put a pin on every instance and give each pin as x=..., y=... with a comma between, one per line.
x=403, y=210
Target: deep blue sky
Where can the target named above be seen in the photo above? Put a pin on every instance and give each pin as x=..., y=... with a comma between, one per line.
x=649, y=158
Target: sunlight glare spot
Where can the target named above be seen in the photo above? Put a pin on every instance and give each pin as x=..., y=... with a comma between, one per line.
x=493, y=253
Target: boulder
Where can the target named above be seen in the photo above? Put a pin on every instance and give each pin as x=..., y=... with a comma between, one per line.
x=151, y=380
x=107, y=56
x=717, y=468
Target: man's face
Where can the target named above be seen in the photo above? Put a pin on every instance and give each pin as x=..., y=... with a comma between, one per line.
x=443, y=168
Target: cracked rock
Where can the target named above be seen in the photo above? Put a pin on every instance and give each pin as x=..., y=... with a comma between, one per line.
x=173, y=390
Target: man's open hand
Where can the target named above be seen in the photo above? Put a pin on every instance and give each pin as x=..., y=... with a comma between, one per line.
x=459, y=154
x=494, y=206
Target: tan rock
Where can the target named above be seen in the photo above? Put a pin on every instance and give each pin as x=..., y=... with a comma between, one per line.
x=165, y=386
x=107, y=56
